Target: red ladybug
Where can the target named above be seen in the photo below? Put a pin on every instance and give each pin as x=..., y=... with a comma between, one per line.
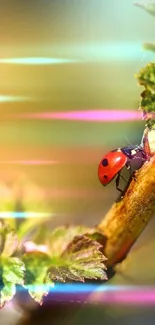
x=133, y=157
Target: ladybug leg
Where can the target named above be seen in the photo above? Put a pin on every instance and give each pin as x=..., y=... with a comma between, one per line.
x=123, y=178
x=128, y=166
x=117, y=183
x=134, y=176
x=131, y=171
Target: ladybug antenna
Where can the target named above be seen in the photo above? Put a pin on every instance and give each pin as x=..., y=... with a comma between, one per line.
x=133, y=146
x=129, y=141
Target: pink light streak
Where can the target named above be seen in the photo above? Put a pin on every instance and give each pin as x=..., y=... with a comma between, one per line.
x=131, y=296
x=31, y=162
x=88, y=116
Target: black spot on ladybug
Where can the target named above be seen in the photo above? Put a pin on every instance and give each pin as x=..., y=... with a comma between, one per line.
x=105, y=176
x=105, y=162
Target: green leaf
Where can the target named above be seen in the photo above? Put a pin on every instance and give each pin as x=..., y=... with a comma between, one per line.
x=147, y=6
x=82, y=259
x=12, y=273
x=13, y=270
x=37, y=264
x=58, y=240
x=146, y=77
x=148, y=102
x=147, y=105
x=151, y=126
x=62, y=273
x=8, y=240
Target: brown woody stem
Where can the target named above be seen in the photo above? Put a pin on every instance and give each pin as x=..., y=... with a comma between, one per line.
x=125, y=221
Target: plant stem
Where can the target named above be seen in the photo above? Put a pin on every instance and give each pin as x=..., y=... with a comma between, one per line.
x=126, y=219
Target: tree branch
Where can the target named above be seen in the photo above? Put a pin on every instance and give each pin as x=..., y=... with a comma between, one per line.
x=126, y=219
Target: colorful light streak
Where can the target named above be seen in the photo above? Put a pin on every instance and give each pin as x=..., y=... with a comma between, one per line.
x=100, y=294
x=30, y=162
x=87, y=116
x=20, y=215
x=83, y=53
x=88, y=288
x=36, y=61
x=105, y=51
x=9, y=99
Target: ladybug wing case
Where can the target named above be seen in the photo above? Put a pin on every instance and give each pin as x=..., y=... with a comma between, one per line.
x=110, y=165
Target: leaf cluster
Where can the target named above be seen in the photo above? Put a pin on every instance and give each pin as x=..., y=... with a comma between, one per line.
x=75, y=256
x=146, y=77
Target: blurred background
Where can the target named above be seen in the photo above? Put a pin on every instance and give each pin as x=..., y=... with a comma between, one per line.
x=59, y=60
x=61, y=57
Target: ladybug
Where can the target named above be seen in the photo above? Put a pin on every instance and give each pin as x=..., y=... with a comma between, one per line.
x=131, y=157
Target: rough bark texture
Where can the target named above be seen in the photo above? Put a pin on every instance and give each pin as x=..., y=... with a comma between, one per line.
x=126, y=219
